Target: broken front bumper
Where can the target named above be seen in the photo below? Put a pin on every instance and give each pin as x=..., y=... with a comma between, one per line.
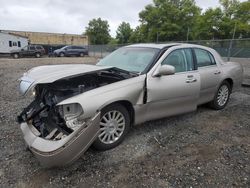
x=61, y=152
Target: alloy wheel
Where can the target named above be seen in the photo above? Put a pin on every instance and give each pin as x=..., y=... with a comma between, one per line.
x=112, y=126
x=222, y=95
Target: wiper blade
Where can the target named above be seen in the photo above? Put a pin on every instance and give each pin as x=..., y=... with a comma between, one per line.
x=135, y=72
x=131, y=73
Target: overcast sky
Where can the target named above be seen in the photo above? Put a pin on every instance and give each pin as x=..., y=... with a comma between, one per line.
x=72, y=16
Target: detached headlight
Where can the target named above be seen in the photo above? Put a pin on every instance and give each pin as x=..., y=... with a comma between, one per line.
x=32, y=92
x=71, y=114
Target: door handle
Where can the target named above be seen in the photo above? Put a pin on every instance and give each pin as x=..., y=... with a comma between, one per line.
x=191, y=80
x=217, y=72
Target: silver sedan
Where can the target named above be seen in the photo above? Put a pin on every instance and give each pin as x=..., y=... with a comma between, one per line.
x=76, y=105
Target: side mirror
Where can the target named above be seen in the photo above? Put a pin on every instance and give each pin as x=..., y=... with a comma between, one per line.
x=164, y=70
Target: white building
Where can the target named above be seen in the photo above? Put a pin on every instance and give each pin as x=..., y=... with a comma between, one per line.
x=9, y=42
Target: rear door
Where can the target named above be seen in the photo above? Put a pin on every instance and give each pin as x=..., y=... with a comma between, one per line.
x=174, y=94
x=77, y=50
x=31, y=51
x=209, y=72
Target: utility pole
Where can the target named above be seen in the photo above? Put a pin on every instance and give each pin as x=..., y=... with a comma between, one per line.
x=187, y=34
x=157, y=37
x=231, y=44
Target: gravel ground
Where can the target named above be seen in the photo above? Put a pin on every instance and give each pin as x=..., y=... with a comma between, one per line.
x=205, y=148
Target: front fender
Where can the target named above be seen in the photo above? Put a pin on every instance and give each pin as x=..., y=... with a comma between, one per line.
x=127, y=90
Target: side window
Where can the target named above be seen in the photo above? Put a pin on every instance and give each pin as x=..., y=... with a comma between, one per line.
x=181, y=59
x=10, y=43
x=19, y=44
x=31, y=48
x=212, y=59
x=204, y=58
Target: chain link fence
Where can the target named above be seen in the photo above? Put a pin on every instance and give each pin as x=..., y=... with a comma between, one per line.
x=239, y=48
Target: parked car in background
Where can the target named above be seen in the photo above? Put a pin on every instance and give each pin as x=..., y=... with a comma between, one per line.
x=29, y=51
x=71, y=51
x=76, y=106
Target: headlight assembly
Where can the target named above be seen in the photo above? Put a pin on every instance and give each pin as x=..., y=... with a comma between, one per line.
x=71, y=114
x=70, y=111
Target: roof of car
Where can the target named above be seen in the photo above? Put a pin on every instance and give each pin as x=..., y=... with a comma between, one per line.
x=154, y=45
x=161, y=46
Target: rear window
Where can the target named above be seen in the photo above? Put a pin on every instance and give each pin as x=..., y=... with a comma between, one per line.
x=77, y=47
x=204, y=58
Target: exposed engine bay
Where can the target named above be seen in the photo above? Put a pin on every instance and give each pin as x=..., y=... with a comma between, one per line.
x=54, y=122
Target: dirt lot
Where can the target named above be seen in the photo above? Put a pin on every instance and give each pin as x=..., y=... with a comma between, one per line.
x=206, y=148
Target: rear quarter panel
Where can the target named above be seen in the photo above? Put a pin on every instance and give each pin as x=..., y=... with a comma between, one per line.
x=234, y=71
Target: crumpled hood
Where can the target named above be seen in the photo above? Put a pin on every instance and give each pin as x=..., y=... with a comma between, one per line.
x=51, y=73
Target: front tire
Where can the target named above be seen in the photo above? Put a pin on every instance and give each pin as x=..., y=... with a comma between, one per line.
x=61, y=54
x=114, y=125
x=81, y=54
x=222, y=96
x=37, y=55
x=15, y=56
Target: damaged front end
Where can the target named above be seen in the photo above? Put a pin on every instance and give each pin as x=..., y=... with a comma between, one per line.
x=59, y=134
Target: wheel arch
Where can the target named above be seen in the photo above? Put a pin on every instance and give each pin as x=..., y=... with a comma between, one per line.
x=38, y=53
x=129, y=107
x=231, y=83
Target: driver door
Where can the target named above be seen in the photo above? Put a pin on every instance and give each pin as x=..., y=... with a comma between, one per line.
x=177, y=93
x=69, y=50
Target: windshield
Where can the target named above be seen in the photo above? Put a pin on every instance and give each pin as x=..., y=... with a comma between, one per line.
x=64, y=47
x=130, y=58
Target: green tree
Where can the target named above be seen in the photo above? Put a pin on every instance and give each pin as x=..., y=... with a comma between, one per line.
x=229, y=7
x=208, y=24
x=168, y=20
x=113, y=41
x=242, y=17
x=219, y=23
x=123, y=33
x=137, y=35
x=98, y=31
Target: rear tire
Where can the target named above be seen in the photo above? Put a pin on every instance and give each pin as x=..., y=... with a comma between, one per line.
x=114, y=125
x=221, y=97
